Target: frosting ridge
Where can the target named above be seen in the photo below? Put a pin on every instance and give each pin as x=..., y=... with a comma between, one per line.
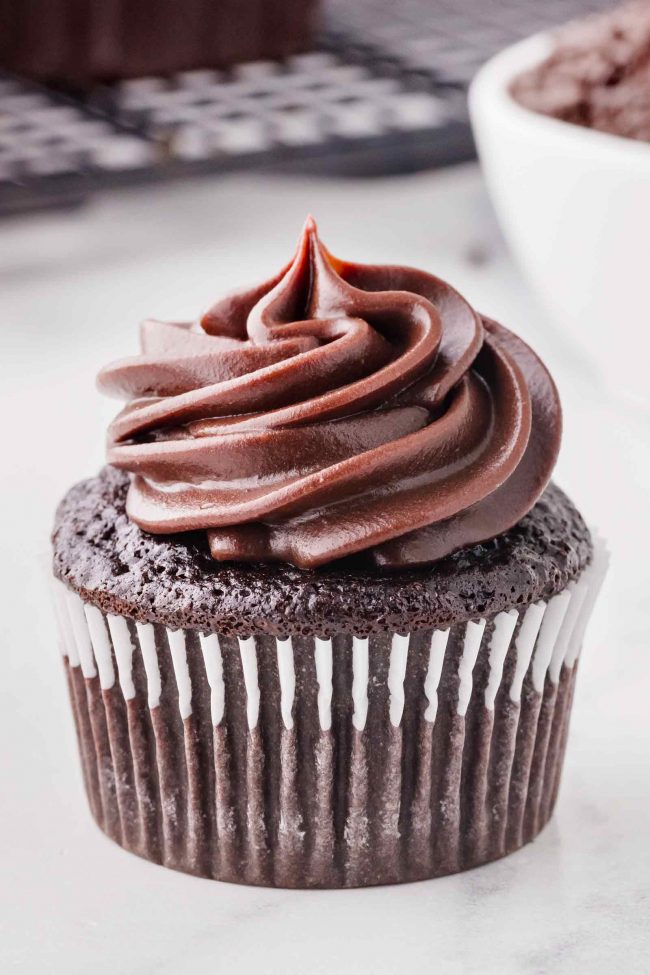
x=337, y=409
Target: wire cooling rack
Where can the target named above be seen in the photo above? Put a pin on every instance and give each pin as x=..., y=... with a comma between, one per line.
x=383, y=91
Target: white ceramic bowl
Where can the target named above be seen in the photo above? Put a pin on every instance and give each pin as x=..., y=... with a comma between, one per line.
x=574, y=205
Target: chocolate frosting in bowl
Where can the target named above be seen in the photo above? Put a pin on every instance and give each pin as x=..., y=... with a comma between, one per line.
x=337, y=409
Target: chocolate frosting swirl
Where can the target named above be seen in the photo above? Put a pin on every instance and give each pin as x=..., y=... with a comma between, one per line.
x=335, y=409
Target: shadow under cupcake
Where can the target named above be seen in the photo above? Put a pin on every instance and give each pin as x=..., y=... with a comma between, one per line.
x=321, y=614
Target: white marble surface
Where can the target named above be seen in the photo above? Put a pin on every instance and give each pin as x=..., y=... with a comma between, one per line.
x=73, y=288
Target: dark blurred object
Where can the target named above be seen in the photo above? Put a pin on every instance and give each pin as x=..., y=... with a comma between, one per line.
x=383, y=91
x=80, y=42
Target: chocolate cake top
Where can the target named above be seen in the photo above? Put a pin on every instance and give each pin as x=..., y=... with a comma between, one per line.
x=109, y=561
x=335, y=410
x=598, y=74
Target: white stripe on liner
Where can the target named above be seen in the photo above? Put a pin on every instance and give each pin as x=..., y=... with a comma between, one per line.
x=123, y=648
x=553, y=617
x=101, y=646
x=524, y=645
x=504, y=627
x=578, y=592
x=439, y=640
x=594, y=576
x=81, y=634
x=396, y=674
x=176, y=640
x=323, y=660
x=287, y=675
x=147, y=638
x=249, y=667
x=214, y=671
x=473, y=636
x=359, y=681
x=68, y=645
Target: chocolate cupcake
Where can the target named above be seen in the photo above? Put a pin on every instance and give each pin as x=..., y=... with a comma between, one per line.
x=84, y=41
x=321, y=612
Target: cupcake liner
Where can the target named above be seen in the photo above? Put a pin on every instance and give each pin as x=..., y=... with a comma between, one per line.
x=308, y=762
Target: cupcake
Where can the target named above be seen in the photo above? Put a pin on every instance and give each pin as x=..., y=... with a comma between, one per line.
x=321, y=612
x=84, y=41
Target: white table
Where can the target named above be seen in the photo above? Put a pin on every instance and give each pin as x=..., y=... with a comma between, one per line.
x=74, y=287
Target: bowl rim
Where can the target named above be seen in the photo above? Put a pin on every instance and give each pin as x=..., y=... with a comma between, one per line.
x=490, y=89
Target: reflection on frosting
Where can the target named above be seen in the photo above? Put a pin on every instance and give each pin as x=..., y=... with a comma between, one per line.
x=336, y=409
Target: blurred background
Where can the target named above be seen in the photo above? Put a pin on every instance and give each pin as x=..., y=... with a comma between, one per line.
x=99, y=96
x=155, y=154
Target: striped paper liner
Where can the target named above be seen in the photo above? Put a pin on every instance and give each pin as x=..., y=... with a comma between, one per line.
x=340, y=762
